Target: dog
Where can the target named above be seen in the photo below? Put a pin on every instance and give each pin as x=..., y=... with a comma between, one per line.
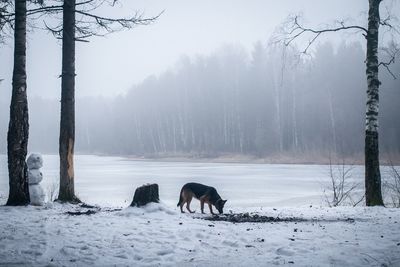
x=204, y=193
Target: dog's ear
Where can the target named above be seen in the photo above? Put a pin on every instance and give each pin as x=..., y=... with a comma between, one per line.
x=224, y=201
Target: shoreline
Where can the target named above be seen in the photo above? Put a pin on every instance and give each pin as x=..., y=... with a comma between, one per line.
x=299, y=159
x=276, y=159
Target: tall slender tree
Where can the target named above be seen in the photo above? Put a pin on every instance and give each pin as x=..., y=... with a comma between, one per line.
x=294, y=29
x=373, y=192
x=18, y=129
x=67, y=124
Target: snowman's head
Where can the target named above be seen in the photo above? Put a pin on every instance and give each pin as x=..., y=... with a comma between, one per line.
x=35, y=161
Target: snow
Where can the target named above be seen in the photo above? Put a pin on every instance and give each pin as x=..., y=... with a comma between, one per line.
x=159, y=235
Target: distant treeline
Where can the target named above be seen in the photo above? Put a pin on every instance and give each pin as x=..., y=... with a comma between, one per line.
x=268, y=102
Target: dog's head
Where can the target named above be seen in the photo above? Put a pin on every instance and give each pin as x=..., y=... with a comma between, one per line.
x=220, y=205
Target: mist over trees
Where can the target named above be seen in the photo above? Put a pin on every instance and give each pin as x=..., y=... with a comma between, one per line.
x=261, y=103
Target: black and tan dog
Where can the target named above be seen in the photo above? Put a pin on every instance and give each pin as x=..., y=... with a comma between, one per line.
x=206, y=194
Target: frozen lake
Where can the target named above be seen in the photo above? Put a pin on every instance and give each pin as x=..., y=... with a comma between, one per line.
x=111, y=181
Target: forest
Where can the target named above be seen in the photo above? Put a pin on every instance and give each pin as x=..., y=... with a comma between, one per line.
x=263, y=102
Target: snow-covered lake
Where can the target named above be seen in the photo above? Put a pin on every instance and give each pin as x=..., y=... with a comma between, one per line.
x=111, y=181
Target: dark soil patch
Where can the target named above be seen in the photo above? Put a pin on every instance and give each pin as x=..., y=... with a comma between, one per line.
x=255, y=218
x=77, y=213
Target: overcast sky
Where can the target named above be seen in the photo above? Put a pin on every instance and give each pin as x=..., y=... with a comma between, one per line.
x=111, y=65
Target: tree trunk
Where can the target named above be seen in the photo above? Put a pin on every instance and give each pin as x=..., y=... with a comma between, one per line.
x=332, y=118
x=294, y=116
x=145, y=194
x=373, y=194
x=67, y=124
x=277, y=91
x=18, y=129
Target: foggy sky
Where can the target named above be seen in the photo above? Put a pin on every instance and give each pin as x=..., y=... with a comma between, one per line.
x=111, y=65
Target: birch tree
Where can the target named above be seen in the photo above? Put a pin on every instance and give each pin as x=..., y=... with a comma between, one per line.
x=294, y=29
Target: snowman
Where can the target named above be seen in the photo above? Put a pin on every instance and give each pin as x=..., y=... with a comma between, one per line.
x=36, y=192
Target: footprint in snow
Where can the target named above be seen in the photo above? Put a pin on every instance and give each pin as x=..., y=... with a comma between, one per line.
x=284, y=251
x=121, y=256
x=164, y=252
x=230, y=243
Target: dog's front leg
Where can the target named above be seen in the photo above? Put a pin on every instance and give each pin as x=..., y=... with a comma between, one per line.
x=188, y=207
x=211, y=210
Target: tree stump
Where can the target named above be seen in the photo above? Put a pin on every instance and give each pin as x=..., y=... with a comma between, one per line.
x=145, y=194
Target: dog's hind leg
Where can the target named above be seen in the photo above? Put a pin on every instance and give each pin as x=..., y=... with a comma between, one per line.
x=202, y=204
x=188, y=204
x=182, y=200
x=181, y=206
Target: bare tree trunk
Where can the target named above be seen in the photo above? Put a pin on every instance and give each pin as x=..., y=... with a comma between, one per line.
x=18, y=129
x=294, y=116
x=277, y=91
x=67, y=124
x=174, y=139
x=153, y=141
x=239, y=128
x=194, y=140
x=226, y=140
x=181, y=130
x=332, y=118
x=373, y=193
x=138, y=133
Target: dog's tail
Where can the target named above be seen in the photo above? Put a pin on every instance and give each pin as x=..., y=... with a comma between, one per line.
x=180, y=198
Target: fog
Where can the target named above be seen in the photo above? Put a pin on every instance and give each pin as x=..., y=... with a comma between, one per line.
x=204, y=80
x=111, y=65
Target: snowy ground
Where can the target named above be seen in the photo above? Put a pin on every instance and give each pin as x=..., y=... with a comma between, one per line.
x=160, y=235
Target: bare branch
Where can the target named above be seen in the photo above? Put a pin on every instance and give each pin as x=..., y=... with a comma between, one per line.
x=390, y=20
x=125, y=22
x=293, y=29
x=341, y=188
x=355, y=203
x=5, y=19
x=391, y=52
x=45, y=9
x=392, y=184
x=57, y=32
x=88, y=24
